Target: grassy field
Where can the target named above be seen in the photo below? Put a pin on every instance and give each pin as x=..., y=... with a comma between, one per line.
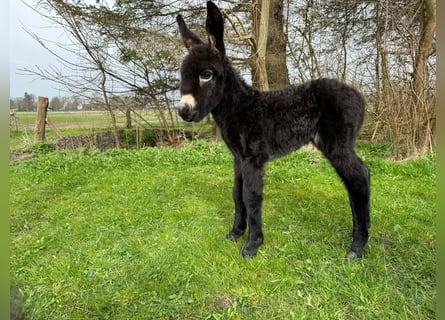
x=71, y=119
x=81, y=119
x=77, y=123
x=140, y=234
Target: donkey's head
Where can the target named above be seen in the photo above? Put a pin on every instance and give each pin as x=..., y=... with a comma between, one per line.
x=202, y=71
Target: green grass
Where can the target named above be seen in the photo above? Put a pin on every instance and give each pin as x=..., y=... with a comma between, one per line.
x=140, y=234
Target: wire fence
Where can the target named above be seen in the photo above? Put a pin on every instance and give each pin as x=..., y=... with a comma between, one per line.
x=94, y=129
x=78, y=119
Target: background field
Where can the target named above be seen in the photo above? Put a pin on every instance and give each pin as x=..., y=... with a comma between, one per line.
x=79, y=119
x=140, y=234
x=76, y=123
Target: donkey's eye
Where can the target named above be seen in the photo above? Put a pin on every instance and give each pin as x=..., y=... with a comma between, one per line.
x=206, y=75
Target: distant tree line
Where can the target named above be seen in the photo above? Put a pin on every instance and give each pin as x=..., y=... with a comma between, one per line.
x=28, y=103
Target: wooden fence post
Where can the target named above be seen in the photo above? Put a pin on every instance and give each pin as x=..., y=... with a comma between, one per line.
x=42, y=109
x=13, y=120
x=53, y=126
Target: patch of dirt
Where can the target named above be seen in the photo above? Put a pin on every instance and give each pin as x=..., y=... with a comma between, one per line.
x=225, y=302
x=105, y=140
x=100, y=140
x=14, y=156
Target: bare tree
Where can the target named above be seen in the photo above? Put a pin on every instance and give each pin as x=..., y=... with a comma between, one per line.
x=302, y=26
x=384, y=47
x=406, y=98
x=276, y=64
x=422, y=96
x=116, y=55
x=261, y=30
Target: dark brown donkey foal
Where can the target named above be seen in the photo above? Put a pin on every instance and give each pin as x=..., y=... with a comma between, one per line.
x=260, y=126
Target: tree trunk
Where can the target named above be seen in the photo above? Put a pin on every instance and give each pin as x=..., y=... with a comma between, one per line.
x=428, y=25
x=423, y=107
x=128, y=117
x=276, y=66
x=263, y=83
x=108, y=107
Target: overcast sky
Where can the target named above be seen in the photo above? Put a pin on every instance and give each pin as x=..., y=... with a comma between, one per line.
x=26, y=52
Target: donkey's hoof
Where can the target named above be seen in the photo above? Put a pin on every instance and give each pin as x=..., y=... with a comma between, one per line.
x=251, y=248
x=234, y=236
x=353, y=255
x=249, y=252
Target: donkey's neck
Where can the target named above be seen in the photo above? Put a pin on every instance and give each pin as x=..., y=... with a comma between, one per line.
x=236, y=93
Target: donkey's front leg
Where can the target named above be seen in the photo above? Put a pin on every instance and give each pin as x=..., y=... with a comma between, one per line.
x=253, y=198
x=240, y=223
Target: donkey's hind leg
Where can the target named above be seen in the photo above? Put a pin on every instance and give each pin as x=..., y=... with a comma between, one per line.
x=356, y=178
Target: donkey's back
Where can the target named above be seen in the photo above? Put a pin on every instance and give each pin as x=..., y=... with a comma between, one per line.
x=323, y=97
x=324, y=111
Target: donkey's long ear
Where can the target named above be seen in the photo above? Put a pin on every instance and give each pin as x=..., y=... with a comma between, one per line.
x=215, y=27
x=189, y=38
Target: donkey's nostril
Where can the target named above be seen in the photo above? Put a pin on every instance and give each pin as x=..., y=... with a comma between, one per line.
x=186, y=112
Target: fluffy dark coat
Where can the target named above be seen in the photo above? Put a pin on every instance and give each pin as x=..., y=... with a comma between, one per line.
x=260, y=126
